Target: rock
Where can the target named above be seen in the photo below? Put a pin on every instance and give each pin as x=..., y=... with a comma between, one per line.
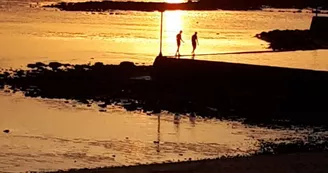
x=127, y=64
x=290, y=40
x=6, y=131
x=99, y=64
x=55, y=65
x=31, y=65
x=103, y=105
x=40, y=64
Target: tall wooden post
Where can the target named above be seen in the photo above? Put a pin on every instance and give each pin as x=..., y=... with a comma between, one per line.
x=161, y=36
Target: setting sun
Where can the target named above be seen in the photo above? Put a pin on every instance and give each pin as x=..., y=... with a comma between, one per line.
x=174, y=1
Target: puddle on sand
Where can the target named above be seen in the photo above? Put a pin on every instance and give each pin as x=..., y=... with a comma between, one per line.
x=51, y=134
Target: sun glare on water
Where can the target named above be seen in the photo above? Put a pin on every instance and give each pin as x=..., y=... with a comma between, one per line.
x=173, y=23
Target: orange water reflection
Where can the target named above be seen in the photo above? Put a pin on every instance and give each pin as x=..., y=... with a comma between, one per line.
x=61, y=136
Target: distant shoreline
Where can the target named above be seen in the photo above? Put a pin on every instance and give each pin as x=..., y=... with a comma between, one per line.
x=100, y=6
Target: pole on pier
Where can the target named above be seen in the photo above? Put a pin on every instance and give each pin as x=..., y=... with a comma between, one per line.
x=161, y=36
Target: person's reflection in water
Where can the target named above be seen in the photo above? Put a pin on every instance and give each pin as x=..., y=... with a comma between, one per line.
x=176, y=122
x=158, y=133
x=176, y=119
x=192, y=119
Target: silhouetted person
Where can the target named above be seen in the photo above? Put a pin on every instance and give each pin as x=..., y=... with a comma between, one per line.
x=179, y=39
x=194, y=42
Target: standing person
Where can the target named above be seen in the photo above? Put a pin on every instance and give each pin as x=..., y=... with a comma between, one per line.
x=194, y=42
x=179, y=39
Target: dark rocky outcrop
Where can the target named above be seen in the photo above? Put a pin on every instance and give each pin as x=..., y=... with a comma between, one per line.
x=286, y=40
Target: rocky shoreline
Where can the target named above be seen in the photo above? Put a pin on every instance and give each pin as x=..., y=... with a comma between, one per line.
x=291, y=40
x=257, y=94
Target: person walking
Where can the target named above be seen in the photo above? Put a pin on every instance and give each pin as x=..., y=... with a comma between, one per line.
x=194, y=42
x=179, y=39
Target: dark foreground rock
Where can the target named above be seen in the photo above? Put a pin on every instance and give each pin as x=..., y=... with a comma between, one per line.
x=288, y=40
x=256, y=94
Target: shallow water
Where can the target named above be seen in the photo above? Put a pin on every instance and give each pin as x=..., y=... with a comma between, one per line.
x=51, y=134
x=29, y=33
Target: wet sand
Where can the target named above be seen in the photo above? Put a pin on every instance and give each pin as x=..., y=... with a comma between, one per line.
x=314, y=162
